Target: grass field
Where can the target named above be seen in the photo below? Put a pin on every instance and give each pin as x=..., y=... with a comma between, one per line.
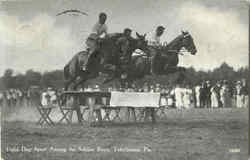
x=195, y=134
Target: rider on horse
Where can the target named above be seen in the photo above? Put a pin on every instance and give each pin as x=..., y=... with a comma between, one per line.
x=123, y=44
x=100, y=28
x=154, y=42
x=155, y=38
x=91, y=50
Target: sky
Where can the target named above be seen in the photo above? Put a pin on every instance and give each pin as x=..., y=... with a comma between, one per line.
x=33, y=37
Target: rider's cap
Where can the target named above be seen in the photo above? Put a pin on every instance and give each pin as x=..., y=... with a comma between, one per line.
x=93, y=36
x=127, y=30
x=102, y=14
x=160, y=28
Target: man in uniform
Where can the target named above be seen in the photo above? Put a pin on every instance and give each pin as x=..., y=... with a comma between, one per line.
x=91, y=48
x=154, y=42
x=124, y=54
x=123, y=45
x=88, y=58
x=155, y=38
x=100, y=28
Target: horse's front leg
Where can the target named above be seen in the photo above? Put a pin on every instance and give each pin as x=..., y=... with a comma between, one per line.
x=84, y=77
x=79, y=82
x=68, y=82
x=109, y=72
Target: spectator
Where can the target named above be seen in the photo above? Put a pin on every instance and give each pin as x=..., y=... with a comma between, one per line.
x=239, y=96
x=208, y=94
x=244, y=93
x=178, y=94
x=197, y=95
x=225, y=95
x=187, y=97
x=203, y=95
x=215, y=96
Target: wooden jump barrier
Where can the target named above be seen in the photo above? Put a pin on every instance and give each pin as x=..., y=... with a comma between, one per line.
x=94, y=101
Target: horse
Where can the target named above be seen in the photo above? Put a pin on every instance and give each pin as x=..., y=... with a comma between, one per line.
x=165, y=60
x=104, y=60
x=73, y=73
x=112, y=63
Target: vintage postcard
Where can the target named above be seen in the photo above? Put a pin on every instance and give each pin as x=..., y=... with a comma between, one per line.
x=116, y=79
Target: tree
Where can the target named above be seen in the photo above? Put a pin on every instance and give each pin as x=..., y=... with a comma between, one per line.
x=54, y=79
x=8, y=80
x=32, y=78
x=20, y=81
x=224, y=72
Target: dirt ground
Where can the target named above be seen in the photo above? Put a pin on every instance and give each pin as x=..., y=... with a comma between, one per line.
x=195, y=134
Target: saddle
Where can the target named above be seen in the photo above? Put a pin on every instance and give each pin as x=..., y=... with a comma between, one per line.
x=139, y=53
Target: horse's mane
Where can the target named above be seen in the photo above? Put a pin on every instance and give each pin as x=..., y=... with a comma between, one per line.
x=113, y=36
x=174, y=42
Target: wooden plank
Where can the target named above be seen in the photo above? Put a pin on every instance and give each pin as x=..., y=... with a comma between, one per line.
x=88, y=94
x=96, y=93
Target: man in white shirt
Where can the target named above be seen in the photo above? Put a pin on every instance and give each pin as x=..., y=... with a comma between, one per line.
x=155, y=38
x=154, y=42
x=187, y=97
x=178, y=93
x=239, y=96
x=91, y=49
x=100, y=28
x=197, y=95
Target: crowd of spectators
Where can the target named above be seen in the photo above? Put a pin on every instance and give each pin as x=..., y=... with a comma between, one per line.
x=204, y=95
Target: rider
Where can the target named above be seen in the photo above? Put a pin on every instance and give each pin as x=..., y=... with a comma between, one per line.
x=91, y=48
x=155, y=38
x=123, y=45
x=100, y=28
x=154, y=42
x=123, y=48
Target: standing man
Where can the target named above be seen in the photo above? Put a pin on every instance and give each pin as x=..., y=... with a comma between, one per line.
x=197, y=95
x=225, y=95
x=203, y=94
x=244, y=93
x=178, y=94
x=215, y=95
x=100, y=28
x=239, y=96
x=208, y=94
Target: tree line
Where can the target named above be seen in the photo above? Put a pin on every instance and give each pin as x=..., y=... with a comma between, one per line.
x=56, y=79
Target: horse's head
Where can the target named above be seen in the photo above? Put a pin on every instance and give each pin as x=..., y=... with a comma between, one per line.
x=188, y=42
x=140, y=42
